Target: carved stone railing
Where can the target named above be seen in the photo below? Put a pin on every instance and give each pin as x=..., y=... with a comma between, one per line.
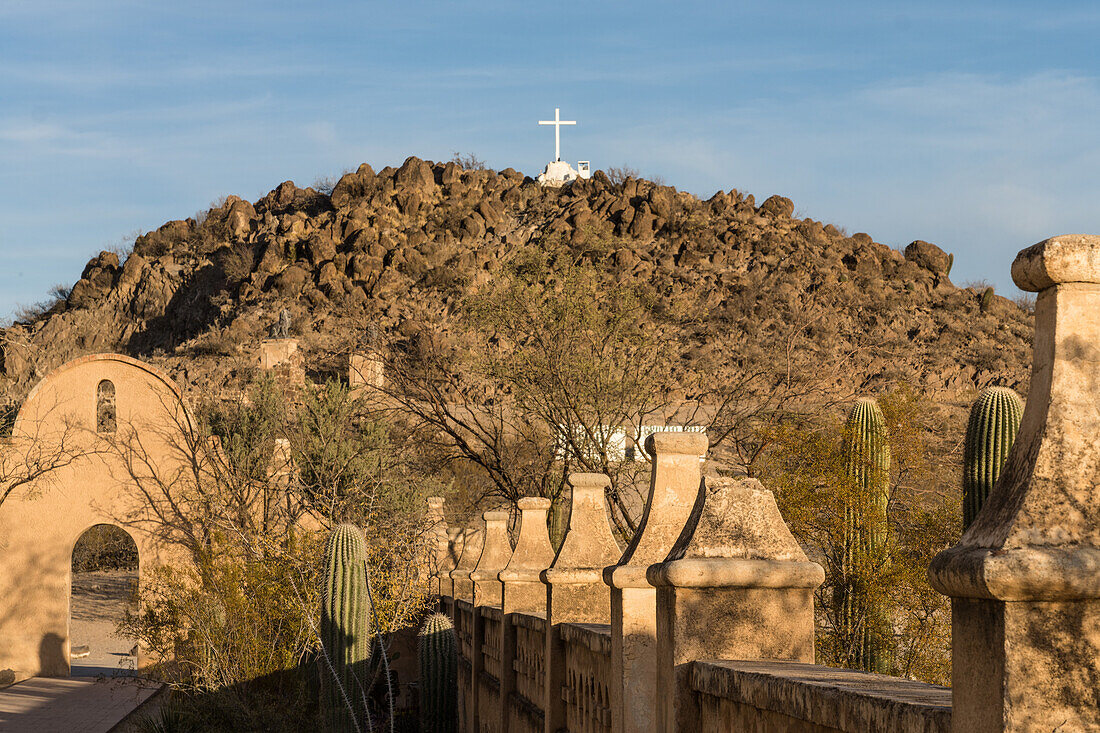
x=705, y=622
x=525, y=712
x=587, y=688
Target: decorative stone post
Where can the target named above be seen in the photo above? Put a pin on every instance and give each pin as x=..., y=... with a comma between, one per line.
x=494, y=558
x=674, y=487
x=736, y=585
x=575, y=591
x=466, y=625
x=487, y=621
x=473, y=539
x=523, y=590
x=1024, y=579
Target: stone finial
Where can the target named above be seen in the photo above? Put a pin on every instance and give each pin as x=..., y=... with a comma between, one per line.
x=1025, y=576
x=736, y=537
x=495, y=555
x=472, y=541
x=589, y=545
x=674, y=487
x=533, y=552
x=1070, y=258
x=736, y=585
x=1038, y=535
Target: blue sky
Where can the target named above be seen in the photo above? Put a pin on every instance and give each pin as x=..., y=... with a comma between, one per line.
x=972, y=125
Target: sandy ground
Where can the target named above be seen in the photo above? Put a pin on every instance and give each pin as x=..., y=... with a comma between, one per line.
x=99, y=601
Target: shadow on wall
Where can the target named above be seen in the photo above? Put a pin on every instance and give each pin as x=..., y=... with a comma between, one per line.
x=51, y=656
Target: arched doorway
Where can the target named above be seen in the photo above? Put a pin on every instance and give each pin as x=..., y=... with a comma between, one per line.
x=104, y=588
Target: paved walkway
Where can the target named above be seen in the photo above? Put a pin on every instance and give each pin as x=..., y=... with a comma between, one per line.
x=70, y=705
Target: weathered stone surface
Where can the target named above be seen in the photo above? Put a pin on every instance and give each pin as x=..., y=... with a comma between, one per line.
x=736, y=585
x=1023, y=577
x=523, y=589
x=674, y=488
x=929, y=256
x=495, y=554
x=778, y=206
x=473, y=540
x=781, y=696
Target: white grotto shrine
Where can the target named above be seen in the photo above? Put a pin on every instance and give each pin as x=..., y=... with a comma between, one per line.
x=558, y=172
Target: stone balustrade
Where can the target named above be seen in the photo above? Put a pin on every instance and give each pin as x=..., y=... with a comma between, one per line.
x=705, y=621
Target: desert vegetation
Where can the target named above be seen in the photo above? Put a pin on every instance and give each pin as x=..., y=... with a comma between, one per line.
x=523, y=334
x=239, y=624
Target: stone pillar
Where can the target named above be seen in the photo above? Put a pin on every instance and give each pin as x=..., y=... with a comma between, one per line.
x=674, y=486
x=575, y=591
x=473, y=539
x=467, y=626
x=281, y=356
x=523, y=589
x=494, y=558
x=1024, y=580
x=736, y=585
x=439, y=548
x=365, y=371
x=487, y=591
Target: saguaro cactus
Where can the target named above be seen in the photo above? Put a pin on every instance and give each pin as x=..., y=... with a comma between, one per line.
x=345, y=630
x=437, y=656
x=994, y=420
x=862, y=616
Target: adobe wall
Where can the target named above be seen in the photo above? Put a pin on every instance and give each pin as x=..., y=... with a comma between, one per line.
x=40, y=525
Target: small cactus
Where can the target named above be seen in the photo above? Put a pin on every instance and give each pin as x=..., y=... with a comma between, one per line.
x=986, y=299
x=994, y=420
x=868, y=467
x=345, y=630
x=437, y=656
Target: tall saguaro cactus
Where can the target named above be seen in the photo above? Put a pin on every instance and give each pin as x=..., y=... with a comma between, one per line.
x=994, y=419
x=345, y=630
x=437, y=656
x=867, y=464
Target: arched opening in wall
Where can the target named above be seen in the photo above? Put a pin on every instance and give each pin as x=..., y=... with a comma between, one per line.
x=106, y=413
x=104, y=587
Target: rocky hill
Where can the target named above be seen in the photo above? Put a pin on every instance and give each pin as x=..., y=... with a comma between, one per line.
x=398, y=247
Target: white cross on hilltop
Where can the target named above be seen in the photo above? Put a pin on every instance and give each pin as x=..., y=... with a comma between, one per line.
x=557, y=122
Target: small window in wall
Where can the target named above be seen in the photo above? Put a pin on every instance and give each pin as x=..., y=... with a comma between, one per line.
x=106, y=414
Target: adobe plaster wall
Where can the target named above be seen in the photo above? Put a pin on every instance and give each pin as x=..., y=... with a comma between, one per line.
x=39, y=526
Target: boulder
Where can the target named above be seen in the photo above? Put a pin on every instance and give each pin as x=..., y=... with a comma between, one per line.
x=291, y=280
x=930, y=257
x=779, y=207
x=352, y=186
x=415, y=174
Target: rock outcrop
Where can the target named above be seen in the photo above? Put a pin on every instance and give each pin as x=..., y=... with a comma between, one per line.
x=400, y=246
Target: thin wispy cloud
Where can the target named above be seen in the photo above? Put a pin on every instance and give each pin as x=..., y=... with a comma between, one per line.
x=971, y=125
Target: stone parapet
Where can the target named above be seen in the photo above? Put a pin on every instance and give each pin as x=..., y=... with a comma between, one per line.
x=785, y=696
